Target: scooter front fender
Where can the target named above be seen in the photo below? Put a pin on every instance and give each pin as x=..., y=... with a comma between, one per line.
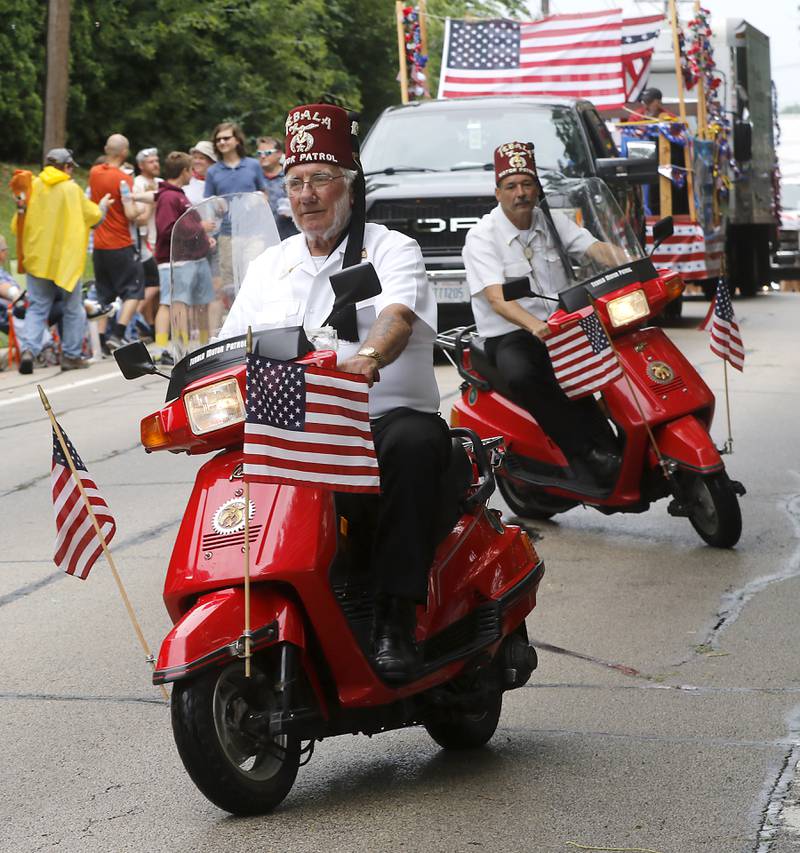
x=208, y=634
x=687, y=442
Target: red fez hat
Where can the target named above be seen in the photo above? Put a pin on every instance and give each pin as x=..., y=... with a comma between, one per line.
x=513, y=158
x=320, y=133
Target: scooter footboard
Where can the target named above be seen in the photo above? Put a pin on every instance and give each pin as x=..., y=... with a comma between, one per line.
x=209, y=634
x=687, y=442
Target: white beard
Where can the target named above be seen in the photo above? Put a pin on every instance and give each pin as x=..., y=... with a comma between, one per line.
x=341, y=216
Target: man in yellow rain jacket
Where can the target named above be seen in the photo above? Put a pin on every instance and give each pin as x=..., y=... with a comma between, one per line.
x=55, y=238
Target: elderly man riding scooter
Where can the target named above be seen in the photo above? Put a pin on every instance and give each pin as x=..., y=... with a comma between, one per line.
x=388, y=339
x=516, y=239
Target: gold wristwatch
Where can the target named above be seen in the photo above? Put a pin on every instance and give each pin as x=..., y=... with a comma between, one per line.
x=371, y=352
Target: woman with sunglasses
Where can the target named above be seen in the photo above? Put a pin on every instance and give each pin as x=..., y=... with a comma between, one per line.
x=233, y=172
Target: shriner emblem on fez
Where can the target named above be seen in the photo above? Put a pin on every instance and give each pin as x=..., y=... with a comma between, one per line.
x=517, y=161
x=302, y=141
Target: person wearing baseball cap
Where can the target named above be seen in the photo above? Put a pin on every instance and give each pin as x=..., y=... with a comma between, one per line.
x=516, y=239
x=388, y=339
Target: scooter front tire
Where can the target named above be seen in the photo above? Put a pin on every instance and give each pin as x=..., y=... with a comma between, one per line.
x=456, y=728
x=715, y=512
x=237, y=771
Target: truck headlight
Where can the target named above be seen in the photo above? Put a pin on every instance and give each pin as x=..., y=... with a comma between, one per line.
x=214, y=407
x=627, y=309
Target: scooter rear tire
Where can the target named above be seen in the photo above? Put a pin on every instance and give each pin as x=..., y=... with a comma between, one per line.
x=529, y=502
x=235, y=772
x=715, y=513
x=459, y=729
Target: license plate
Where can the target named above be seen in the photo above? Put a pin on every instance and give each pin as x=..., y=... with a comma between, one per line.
x=451, y=291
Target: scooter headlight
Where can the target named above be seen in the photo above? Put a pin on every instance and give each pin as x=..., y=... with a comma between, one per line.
x=627, y=309
x=214, y=407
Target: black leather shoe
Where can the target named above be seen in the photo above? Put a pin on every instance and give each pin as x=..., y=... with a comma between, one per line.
x=603, y=464
x=395, y=654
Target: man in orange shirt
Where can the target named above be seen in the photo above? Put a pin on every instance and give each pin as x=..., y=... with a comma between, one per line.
x=116, y=265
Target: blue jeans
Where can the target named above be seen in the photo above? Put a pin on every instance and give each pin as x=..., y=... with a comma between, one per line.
x=41, y=295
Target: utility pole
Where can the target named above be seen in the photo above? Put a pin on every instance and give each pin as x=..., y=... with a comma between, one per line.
x=57, y=85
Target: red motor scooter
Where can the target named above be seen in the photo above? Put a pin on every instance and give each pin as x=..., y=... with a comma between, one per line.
x=660, y=395
x=311, y=596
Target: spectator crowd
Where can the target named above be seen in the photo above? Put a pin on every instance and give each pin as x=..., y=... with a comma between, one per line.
x=125, y=218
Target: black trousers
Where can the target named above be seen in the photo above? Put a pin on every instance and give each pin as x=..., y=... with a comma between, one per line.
x=523, y=359
x=413, y=450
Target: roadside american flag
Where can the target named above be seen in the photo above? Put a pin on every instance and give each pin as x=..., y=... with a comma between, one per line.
x=308, y=426
x=582, y=358
x=77, y=544
x=638, y=40
x=589, y=55
x=726, y=340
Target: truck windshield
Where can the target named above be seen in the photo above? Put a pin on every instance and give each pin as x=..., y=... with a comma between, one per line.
x=466, y=138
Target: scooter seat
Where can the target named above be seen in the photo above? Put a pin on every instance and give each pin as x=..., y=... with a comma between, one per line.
x=455, y=483
x=482, y=365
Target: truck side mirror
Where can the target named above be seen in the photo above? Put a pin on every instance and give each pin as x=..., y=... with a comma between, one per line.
x=742, y=140
x=134, y=361
x=631, y=170
x=663, y=229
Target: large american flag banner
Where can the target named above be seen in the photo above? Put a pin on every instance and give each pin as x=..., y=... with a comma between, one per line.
x=77, y=545
x=582, y=357
x=689, y=251
x=308, y=426
x=726, y=339
x=590, y=55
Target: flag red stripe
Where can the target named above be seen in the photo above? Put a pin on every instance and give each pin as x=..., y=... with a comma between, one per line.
x=576, y=93
x=629, y=23
x=356, y=396
x=315, y=467
x=337, y=429
x=291, y=481
x=342, y=411
x=309, y=447
x=539, y=78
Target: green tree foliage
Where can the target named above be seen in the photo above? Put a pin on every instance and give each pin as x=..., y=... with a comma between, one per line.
x=21, y=68
x=165, y=72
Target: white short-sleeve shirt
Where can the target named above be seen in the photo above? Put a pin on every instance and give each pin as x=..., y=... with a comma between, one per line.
x=495, y=250
x=283, y=287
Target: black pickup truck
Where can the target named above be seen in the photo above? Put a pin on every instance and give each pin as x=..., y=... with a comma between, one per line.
x=430, y=171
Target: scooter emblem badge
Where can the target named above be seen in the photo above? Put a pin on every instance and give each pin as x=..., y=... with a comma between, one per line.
x=229, y=518
x=660, y=372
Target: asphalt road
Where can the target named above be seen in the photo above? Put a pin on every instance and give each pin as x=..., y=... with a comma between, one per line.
x=670, y=722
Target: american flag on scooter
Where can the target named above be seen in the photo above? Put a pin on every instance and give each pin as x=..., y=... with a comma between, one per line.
x=582, y=357
x=307, y=426
x=726, y=339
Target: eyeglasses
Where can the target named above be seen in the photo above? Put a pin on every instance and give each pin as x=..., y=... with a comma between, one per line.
x=224, y=138
x=267, y=152
x=294, y=186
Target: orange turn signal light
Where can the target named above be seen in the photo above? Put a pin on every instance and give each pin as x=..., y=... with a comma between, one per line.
x=674, y=287
x=152, y=433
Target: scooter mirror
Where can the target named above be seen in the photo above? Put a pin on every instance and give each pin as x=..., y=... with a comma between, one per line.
x=517, y=288
x=134, y=361
x=355, y=284
x=661, y=230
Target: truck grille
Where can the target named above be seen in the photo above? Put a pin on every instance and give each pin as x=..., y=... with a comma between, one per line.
x=439, y=226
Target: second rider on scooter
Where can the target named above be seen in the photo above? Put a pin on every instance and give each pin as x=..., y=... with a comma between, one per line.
x=517, y=239
x=387, y=338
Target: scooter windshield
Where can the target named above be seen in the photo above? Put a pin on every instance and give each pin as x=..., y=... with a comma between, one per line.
x=588, y=204
x=212, y=245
